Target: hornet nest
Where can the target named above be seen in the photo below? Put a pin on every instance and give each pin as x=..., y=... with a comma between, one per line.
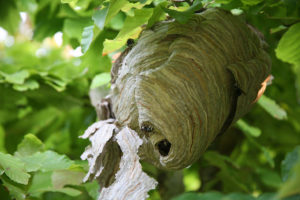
x=172, y=93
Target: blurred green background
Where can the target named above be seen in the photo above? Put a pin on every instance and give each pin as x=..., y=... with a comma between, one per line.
x=52, y=52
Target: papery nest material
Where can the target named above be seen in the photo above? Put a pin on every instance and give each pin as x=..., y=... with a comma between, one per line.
x=180, y=86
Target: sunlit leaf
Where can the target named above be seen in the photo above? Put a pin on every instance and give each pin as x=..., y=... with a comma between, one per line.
x=183, y=17
x=130, y=29
x=87, y=38
x=272, y=108
x=14, y=168
x=137, y=4
x=17, y=77
x=93, y=59
x=46, y=161
x=114, y=7
x=30, y=145
x=42, y=182
x=141, y=16
x=191, y=180
x=74, y=27
x=99, y=17
x=288, y=48
x=60, y=178
x=68, y=1
x=117, y=22
x=69, y=191
x=27, y=85
x=100, y=79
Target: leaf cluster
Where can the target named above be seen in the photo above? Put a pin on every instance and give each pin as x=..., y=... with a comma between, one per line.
x=44, y=102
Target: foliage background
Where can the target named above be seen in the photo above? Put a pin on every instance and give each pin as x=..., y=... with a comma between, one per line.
x=52, y=52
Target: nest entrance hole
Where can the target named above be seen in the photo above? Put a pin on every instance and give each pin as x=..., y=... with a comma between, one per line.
x=163, y=147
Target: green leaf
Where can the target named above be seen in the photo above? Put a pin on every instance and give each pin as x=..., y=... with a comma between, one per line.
x=223, y=1
x=74, y=27
x=87, y=38
x=131, y=29
x=69, y=1
x=30, y=145
x=100, y=79
x=268, y=196
x=238, y=196
x=128, y=8
x=135, y=1
x=266, y=152
x=46, y=161
x=158, y=14
x=114, y=7
x=69, y=191
x=14, y=168
x=42, y=182
x=190, y=196
x=269, y=178
x=10, y=17
x=47, y=22
x=27, y=85
x=17, y=77
x=93, y=59
x=56, y=83
x=15, y=191
x=24, y=111
x=272, y=108
x=29, y=6
x=214, y=196
x=117, y=22
x=253, y=131
x=183, y=17
x=92, y=189
x=191, y=180
x=141, y=16
x=99, y=17
x=60, y=178
x=251, y=2
x=113, y=45
x=2, y=139
x=288, y=48
x=291, y=186
x=228, y=170
x=289, y=162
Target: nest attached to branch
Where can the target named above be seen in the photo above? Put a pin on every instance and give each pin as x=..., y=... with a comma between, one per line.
x=180, y=86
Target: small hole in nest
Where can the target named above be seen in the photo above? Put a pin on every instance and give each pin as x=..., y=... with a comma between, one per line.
x=164, y=147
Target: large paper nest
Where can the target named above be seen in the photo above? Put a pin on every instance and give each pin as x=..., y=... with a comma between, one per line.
x=173, y=92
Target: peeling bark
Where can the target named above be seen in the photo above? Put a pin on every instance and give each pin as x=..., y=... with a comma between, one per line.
x=114, y=162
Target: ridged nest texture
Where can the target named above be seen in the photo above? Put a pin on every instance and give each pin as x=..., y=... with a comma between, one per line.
x=177, y=87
